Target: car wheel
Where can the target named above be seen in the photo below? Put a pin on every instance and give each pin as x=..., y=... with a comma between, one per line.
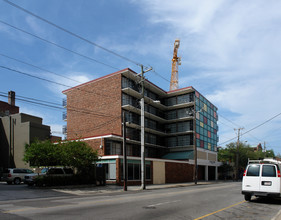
x=247, y=197
x=17, y=181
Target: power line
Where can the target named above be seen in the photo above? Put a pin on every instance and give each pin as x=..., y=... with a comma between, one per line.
x=229, y=120
x=57, y=45
x=71, y=33
x=253, y=128
x=20, y=61
x=70, y=108
x=50, y=81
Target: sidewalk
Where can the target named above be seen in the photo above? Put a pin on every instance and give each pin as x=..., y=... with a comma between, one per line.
x=84, y=190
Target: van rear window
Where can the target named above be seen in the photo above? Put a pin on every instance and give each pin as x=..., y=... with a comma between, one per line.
x=268, y=171
x=253, y=170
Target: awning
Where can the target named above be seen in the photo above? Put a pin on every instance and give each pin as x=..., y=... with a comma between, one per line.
x=184, y=155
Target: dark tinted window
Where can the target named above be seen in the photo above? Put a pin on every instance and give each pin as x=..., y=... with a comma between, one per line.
x=268, y=171
x=55, y=171
x=18, y=171
x=253, y=170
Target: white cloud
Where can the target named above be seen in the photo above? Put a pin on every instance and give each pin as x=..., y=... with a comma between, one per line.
x=235, y=50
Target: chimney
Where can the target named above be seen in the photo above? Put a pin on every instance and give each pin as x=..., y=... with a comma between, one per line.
x=11, y=98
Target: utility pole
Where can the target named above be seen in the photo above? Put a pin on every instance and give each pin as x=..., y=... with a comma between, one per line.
x=237, y=152
x=124, y=153
x=142, y=130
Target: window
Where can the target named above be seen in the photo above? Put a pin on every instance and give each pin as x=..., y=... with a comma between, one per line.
x=182, y=113
x=253, y=170
x=268, y=171
x=171, y=128
x=183, y=99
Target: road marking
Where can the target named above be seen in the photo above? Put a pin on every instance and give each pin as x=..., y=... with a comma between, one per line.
x=220, y=210
x=163, y=203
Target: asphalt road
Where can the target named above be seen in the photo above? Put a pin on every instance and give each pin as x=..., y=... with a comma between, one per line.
x=215, y=201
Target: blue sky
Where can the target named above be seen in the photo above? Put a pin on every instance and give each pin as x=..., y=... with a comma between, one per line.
x=230, y=53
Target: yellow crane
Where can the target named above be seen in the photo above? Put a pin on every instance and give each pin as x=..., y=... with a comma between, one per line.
x=175, y=62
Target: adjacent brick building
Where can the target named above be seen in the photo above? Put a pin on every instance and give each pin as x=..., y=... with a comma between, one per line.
x=175, y=122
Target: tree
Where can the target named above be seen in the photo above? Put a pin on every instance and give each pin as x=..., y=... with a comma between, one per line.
x=246, y=152
x=41, y=153
x=76, y=154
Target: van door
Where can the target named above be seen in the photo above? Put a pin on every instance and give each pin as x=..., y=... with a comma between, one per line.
x=252, y=178
x=270, y=182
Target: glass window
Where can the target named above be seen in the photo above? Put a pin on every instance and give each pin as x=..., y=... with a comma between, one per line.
x=182, y=113
x=171, y=128
x=253, y=170
x=183, y=140
x=268, y=171
x=183, y=126
x=130, y=171
x=172, y=115
x=136, y=171
x=183, y=99
x=172, y=141
x=147, y=172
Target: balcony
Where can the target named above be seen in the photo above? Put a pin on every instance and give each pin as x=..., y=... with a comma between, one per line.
x=64, y=129
x=64, y=116
x=64, y=103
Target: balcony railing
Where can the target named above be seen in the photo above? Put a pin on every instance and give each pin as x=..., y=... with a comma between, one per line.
x=64, y=116
x=64, y=129
x=64, y=103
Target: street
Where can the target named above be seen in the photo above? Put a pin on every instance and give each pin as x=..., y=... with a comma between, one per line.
x=214, y=201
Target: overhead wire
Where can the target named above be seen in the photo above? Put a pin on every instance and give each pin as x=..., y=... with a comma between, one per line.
x=51, y=81
x=57, y=45
x=253, y=128
x=71, y=33
x=57, y=106
x=42, y=69
x=39, y=102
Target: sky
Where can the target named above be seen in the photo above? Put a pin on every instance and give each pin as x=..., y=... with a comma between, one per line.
x=230, y=52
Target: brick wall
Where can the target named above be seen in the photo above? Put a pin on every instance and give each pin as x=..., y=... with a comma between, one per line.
x=95, y=144
x=86, y=102
x=4, y=106
x=178, y=172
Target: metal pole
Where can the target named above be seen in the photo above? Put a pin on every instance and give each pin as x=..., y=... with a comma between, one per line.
x=142, y=132
x=125, y=176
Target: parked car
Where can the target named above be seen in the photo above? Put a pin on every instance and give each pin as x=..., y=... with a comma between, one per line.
x=15, y=175
x=29, y=179
x=262, y=179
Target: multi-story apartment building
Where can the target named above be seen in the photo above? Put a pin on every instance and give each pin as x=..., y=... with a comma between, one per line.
x=175, y=123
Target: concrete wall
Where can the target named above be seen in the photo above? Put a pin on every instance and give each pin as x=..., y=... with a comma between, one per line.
x=159, y=173
x=212, y=157
x=16, y=131
x=201, y=155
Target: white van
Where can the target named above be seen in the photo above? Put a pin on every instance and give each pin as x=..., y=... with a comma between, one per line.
x=262, y=179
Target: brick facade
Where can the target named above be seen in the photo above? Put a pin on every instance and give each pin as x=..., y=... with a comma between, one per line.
x=4, y=107
x=178, y=172
x=94, y=108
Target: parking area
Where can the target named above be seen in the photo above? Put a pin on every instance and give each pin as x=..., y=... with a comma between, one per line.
x=22, y=191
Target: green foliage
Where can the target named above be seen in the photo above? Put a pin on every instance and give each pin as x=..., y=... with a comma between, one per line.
x=41, y=153
x=246, y=152
x=76, y=154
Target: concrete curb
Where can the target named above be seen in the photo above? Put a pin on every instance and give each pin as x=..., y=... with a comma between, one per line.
x=88, y=189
